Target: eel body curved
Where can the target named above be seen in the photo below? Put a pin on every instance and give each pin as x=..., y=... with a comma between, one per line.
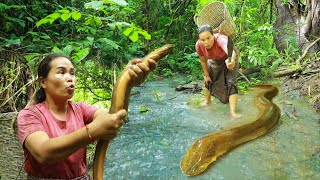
x=120, y=100
x=206, y=150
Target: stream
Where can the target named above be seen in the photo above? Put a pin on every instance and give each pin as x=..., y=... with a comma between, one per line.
x=164, y=123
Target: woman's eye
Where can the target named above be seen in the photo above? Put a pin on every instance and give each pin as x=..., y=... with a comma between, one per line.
x=61, y=72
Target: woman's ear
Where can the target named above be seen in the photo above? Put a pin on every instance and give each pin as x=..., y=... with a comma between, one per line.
x=42, y=82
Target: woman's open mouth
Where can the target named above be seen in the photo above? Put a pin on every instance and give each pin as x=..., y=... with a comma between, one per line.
x=71, y=88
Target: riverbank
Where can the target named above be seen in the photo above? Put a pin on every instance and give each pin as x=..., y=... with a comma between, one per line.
x=304, y=82
x=306, y=87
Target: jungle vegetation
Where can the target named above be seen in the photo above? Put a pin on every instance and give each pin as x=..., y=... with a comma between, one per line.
x=102, y=36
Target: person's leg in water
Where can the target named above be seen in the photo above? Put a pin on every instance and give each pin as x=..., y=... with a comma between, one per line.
x=207, y=98
x=233, y=99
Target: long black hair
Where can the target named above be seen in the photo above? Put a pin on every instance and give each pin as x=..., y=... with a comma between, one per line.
x=43, y=71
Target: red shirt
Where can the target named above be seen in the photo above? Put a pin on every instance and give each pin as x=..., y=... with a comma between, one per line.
x=216, y=52
x=40, y=118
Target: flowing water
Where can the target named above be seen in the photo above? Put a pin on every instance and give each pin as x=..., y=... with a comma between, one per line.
x=164, y=123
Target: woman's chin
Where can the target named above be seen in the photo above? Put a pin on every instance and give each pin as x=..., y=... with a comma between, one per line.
x=69, y=96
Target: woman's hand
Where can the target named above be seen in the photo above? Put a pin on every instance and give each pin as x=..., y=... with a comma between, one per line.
x=207, y=81
x=231, y=64
x=139, y=71
x=106, y=126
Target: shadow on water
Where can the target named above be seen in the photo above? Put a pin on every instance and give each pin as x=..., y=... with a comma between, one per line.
x=153, y=143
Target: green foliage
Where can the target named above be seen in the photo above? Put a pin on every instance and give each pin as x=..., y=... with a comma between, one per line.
x=191, y=65
x=181, y=63
x=133, y=33
x=265, y=49
x=102, y=36
x=9, y=73
x=287, y=58
x=143, y=109
x=196, y=100
x=257, y=47
x=91, y=148
x=243, y=86
x=96, y=30
x=157, y=94
x=11, y=21
x=88, y=33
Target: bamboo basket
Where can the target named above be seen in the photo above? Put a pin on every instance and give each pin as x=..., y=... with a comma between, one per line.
x=217, y=15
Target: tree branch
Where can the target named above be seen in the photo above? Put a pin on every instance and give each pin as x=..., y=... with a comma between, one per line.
x=298, y=61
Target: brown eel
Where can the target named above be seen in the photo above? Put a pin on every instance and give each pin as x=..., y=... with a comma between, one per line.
x=120, y=100
x=207, y=149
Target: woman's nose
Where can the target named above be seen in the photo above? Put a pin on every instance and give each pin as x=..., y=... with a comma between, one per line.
x=69, y=77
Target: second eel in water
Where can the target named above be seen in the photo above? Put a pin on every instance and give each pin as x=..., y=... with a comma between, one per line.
x=207, y=149
x=120, y=100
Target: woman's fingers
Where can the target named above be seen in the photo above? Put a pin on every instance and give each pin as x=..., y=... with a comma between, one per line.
x=138, y=73
x=231, y=64
x=133, y=75
x=138, y=70
x=136, y=61
x=145, y=67
x=112, y=129
x=152, y=64
x=120, y=115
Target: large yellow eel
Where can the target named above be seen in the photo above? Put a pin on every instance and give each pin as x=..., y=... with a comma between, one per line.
x=207, y=149
x=120, y=100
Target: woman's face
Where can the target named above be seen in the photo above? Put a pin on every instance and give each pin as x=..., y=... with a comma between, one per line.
x=206, y=39
x=61, y=80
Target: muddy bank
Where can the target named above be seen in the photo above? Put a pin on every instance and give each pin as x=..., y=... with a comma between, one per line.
x=304, y=84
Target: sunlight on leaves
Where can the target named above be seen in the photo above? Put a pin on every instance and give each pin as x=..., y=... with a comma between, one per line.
x=119, y=2
x=68, y=49
x=56, y=50
x=94, y=5
x=133, y=33
x=134, y=36
x=65, y=17
x=64, y=11
x=109, y=43
x=76, y=15
x=127, y=31
x=81, y=55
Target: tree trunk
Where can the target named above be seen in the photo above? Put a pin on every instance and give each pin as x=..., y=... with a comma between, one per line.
x=147, y=14
x=297, y=22
x=16, y=83
x=315, y=22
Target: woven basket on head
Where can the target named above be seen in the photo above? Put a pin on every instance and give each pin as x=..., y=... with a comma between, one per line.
x=217, y=15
